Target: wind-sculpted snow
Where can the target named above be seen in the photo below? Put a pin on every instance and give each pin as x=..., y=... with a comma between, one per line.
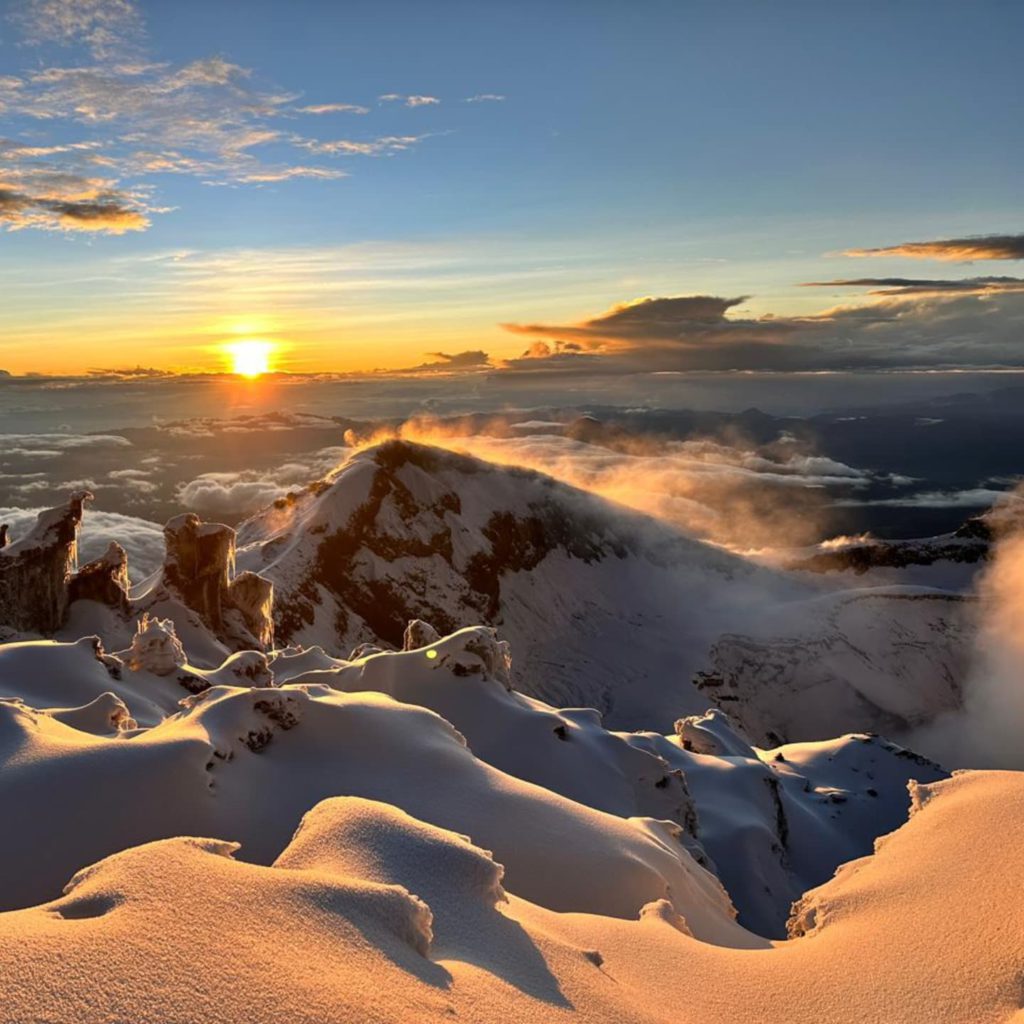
x=371, y=915
x=771, y=824
x=615, y=819
x=247, y=764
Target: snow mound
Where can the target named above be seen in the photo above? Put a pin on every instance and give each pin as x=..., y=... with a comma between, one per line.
x=369, y=839
x=313, y=941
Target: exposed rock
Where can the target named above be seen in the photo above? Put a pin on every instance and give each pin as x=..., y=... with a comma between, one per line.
x=34, y=571
x=419, y=634
x=252, y=596
x=104, y=580
x=860, y=556
x=969, y=543
x=199, y=569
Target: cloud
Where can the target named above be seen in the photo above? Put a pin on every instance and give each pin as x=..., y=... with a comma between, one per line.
x=105, y=27
x=974, y=247
x=60, y=442
x=288, y=173
x=908, y=330
x=144, y=541
x=977, y=497
x=385, y=145
x=129, y=373
x=675, y=333
x=664, y=319
x=249, y=490
x=333, y=108
x=207, y=118
x=911, y=285
x=485, y=97
x=37, y=195
x=469, y=360
x=985, y=731
x=107, y=214
x=409, y=101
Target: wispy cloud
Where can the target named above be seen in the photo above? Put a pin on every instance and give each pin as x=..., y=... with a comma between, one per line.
x=409, y=101
x=288, y=173
x=485, y=97
x=139, y=118
x=105, y=27
x=333, y=108
x=912, y=285
x=383, y=145
x=975, y=247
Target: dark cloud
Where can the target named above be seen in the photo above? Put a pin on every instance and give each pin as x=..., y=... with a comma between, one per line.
x=107, y=212
x=912, y=328
x=473, y=359
x=685, y=332
x=910, y=285
x=662, y=319
x=974, y=247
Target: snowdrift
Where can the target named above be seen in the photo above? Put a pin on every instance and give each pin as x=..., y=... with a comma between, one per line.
x=369, y=914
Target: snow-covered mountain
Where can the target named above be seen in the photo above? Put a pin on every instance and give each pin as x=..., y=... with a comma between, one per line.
x=607, y=608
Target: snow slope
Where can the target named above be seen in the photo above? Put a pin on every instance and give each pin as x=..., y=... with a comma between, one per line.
x=371, y=915
x=615, y=819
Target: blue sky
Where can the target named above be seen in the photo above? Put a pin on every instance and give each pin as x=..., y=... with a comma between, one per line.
x=624, y=150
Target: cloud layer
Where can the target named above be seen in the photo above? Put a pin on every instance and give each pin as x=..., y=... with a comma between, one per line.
x=975, y=247
x=906, y=326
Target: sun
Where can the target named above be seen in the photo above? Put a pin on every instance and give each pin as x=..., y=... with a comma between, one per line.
x=250, y=358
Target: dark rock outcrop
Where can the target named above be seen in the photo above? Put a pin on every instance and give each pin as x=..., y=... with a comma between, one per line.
x=35, y=570
x=104, y=580
x=199, y=570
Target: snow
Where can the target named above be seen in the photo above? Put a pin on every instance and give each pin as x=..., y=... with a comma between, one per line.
x=371, y=915
x=195, y=831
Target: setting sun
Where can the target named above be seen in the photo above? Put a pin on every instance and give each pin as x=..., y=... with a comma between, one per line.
x=250, y=358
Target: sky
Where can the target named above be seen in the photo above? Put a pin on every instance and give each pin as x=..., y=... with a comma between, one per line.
x=544, y=191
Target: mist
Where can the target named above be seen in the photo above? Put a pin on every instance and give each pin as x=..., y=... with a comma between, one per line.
x=725, y=490
x=986, y=731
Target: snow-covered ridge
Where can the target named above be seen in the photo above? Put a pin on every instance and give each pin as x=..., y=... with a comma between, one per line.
x=438, y=731
x=606, y=608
